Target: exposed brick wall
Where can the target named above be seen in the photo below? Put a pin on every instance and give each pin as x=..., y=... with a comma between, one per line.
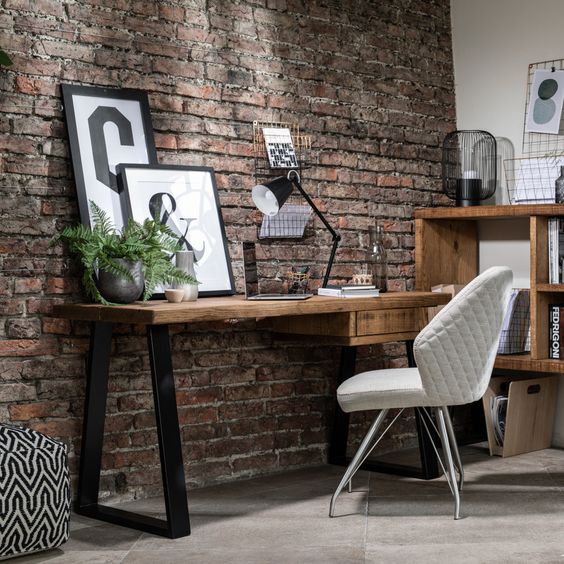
x=371, y=81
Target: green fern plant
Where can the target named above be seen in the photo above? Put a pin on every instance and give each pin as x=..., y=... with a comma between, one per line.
x=151, y=243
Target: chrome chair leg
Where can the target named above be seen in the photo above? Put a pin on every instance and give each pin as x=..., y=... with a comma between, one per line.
x=454, y=446
x=358, y=458
x=451, y=477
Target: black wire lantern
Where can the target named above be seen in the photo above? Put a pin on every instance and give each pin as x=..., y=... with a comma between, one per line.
x=469, y=166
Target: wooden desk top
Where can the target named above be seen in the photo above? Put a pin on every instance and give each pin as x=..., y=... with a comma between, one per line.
x=156, y=312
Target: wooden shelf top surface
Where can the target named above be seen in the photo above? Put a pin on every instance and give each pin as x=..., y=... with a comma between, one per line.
x=157, y=312
x=525, y=362
x=490, y=212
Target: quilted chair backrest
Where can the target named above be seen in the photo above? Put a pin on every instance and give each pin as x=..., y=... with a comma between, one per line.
x=456, y=351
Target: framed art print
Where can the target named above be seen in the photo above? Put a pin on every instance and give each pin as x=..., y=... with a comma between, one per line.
x=185, y=199
x=544, y=111
x=106, y=127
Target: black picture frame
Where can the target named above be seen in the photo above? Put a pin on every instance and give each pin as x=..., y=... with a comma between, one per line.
x=185, y=198
x=96, y=147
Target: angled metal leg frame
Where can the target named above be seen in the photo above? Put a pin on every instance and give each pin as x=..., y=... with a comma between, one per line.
x=443, y=430
x=429, y=468
x=177, y=523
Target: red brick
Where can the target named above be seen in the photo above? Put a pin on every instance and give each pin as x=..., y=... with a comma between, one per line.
x=27, y=411
x=28, y=347
x=27, y=285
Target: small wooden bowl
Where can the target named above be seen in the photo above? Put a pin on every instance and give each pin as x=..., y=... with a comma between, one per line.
x=174, y=295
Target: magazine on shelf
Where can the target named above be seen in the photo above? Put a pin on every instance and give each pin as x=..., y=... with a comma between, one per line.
x=498, y=408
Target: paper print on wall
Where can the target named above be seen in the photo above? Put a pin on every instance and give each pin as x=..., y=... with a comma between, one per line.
x=106, y=127
x=544, y=110
x=185, y=199
x=279, y=147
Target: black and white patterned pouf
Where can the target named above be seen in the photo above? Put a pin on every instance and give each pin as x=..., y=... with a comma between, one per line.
x=34, y=492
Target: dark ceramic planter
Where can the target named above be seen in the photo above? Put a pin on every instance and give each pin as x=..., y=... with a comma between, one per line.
x=120, y=290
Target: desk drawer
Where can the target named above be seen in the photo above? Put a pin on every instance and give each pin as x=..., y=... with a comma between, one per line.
x=333, y=324
x=390, y=321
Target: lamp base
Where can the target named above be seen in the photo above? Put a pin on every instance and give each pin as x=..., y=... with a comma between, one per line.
x=468, y=192
x=463, y=203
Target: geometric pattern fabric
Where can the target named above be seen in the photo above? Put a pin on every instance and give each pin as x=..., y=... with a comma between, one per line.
x=34, y=492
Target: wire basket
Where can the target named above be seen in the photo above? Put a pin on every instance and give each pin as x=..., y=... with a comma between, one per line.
x=531, y=180
x=289, y=223
x=279, y=152
x=516, y=330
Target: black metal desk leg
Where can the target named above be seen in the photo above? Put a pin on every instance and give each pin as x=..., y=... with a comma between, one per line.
x=429, y=463
x=340, y=434
x=177, y=523
x=170, y=446
x=94, y=415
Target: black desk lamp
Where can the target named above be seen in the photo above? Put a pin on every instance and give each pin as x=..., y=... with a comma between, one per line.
x=271, y=196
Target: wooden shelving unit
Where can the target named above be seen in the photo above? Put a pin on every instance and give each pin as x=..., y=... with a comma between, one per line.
x=446, y=251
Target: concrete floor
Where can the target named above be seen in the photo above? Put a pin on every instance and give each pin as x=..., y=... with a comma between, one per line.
x=513, y=512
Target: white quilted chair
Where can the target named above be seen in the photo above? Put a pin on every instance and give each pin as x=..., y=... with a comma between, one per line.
x=455, y=354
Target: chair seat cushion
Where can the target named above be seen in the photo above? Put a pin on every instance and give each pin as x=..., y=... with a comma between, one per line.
x=382, y=389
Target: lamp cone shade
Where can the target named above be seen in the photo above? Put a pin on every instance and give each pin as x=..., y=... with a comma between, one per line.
x=271, y=196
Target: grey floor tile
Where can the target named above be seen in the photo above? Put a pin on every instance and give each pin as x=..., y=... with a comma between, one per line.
x=291, y=554
x=65, y=556
x=274, y=524
x=462, y=553
x=105, y=537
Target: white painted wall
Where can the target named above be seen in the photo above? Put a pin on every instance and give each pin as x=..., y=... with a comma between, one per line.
x=494, y=41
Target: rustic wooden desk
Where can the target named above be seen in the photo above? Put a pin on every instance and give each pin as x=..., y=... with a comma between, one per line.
x=348, y=322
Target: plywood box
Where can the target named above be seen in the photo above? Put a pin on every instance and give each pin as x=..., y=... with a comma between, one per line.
x=529, y=416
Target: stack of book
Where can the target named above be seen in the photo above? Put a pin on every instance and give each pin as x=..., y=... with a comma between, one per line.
x=349, y=291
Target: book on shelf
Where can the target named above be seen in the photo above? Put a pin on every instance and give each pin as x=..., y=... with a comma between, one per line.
x=349, y=291
x=555, y=250
x=555, y=331
x=350, y=287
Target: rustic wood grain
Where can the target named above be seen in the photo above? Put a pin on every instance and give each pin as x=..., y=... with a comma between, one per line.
x=236, y=307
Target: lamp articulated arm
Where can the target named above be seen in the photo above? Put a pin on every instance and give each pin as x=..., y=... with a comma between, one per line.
x=294, y=177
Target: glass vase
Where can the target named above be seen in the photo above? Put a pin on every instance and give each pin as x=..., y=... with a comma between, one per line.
x=376, y=263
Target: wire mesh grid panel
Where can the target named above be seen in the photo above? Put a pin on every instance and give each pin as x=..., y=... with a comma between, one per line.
x=531, y=180
x=516, y=330
x=542, y=97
